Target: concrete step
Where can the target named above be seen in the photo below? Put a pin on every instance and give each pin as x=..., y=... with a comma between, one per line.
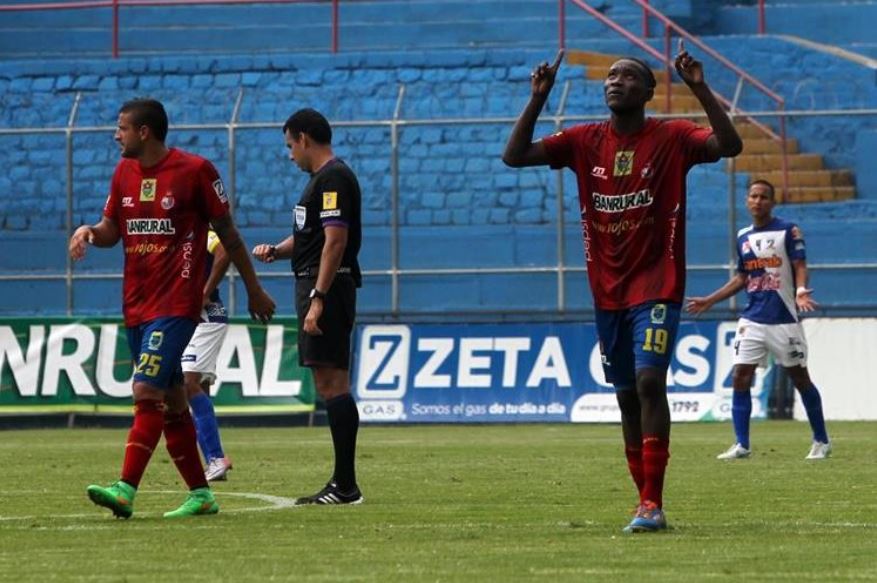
x=812, y=178
x=774, y=162
x=819, y=193
x=768, y=146
x=749, y=131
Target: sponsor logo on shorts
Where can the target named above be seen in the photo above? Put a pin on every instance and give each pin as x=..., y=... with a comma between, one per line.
x=150, y=226
x=330, y=201
x=659, y=313
x=155, y=340
x=617, y=203
x=147, y=189
x=623, y=163
x=219, y=188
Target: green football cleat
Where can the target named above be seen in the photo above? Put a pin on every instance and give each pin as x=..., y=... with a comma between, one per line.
x=199, y=502
x=119, y=498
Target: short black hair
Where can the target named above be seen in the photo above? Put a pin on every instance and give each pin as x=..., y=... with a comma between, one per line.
x=764, y=183
x=311, y=122
x=147, y=112
x=646, y=71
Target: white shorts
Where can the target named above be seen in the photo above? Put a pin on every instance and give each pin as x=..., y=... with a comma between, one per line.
x=754, y=341
x=203, y=349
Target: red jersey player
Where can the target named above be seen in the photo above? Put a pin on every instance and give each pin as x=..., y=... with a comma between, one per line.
x=631, y=180
x=162, y=201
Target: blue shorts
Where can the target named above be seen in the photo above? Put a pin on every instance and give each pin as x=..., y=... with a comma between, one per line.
x=634, y=338
x=156, y=348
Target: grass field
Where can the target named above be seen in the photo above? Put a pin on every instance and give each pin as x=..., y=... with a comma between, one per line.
x=482, y=503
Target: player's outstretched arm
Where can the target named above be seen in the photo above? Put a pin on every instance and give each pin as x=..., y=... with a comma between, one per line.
x=725, y=141
x=260, y=304
x=103, y=234
x=699, y=305
x=520, y=150
x=803, y=294
x=267, y=253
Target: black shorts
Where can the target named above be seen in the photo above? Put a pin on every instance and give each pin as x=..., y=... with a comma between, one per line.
x=332, y=348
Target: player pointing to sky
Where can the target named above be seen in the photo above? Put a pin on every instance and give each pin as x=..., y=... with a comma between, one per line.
x=631, y=174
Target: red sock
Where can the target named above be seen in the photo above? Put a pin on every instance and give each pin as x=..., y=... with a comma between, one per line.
x=179, y=433
x=655, y=455
x=635, y=465
x=142, y=439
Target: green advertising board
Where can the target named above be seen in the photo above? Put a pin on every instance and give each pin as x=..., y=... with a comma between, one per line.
x=84, y=365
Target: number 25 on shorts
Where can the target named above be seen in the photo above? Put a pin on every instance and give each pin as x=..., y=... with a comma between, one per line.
x=149, y=364
x=656, y=340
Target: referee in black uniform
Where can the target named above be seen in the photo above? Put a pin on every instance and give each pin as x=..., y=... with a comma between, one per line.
x=323, y=247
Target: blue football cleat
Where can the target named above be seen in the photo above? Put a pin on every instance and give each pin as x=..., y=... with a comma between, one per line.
x=649, y=518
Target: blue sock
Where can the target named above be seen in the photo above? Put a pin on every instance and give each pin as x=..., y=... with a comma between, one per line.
x=813, y=405
x=206, y=426
x=741, y=411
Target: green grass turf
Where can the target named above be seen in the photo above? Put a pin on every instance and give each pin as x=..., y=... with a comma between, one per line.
x=465, y=503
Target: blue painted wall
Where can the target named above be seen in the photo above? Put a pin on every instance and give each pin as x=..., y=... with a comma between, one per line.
x=455, y=194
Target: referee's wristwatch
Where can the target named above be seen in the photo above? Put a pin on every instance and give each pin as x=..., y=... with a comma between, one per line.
x=317, y=294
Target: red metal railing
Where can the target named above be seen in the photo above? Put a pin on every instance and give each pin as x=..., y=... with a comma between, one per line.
x=116, y=5
x=667, y=59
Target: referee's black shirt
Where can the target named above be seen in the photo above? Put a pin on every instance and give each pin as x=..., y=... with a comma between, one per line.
x=331, y=197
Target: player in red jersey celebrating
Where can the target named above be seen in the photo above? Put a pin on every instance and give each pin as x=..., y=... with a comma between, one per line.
x=162, y=202
x=631, y=180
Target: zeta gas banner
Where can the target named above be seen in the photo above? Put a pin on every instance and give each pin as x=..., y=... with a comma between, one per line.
x=77, y=365
x=545, y=372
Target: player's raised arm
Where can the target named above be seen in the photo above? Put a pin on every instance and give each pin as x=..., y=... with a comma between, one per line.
x=103, y=234
x=520, y=150
x=260, y=304
x=725, y=141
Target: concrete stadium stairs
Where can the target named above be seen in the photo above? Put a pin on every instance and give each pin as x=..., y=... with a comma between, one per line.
x=808, y=178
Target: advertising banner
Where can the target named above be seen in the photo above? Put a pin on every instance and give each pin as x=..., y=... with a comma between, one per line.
x=543, y=372
x=84, y=365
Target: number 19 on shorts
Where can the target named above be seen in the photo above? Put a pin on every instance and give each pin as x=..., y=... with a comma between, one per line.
x=657, y=340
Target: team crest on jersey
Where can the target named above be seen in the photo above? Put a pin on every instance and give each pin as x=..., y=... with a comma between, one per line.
x=746, y=247
x=623, y=163
x=330, y=201
x=147, y=189
x=167, y=202
x=797, y=233
x=155, y=340
x=219, y=188
x=301, y=216
x=659, y=313
x=646, y=171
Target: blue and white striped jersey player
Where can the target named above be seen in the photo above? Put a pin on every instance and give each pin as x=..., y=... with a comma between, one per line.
x=199, y=362
x=772, y=267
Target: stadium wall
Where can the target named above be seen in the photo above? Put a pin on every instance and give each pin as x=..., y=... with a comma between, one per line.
x=454, y=190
